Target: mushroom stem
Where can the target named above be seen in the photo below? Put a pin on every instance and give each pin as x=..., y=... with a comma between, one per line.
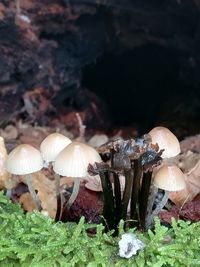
x=108, y=207
x=138, y=174
x=57, y=184
x=127, y=192
x=58, y=198
x=144, y=197
x=158, y=208
x=74, y=193
x=117, y=192
x=151, y=198
x=162, y=203
x=34, y=196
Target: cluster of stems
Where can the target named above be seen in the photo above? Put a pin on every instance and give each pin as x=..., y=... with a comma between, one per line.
x=138, y=191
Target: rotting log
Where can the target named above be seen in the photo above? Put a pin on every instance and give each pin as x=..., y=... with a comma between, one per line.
x=44, y=48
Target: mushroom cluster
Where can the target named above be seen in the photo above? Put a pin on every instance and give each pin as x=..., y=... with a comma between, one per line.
x=145, y=164
x=167, y=176
x=68, y=158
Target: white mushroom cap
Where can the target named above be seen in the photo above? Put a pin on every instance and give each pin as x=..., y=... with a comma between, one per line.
x=169, y=178
x=74, y=159
x=166, y=140
x=94, y=183
x=24, y=159
x=98, y=140
x=52, y=145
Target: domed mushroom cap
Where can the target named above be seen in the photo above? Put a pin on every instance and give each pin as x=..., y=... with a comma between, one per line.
x=170, y=178
x=24, y=159
x=166, y=140
x=52, y=145
x=74, y=159
x=94, y=183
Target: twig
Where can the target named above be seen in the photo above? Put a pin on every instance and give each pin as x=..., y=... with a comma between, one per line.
x=18, y=9
x=81, y=127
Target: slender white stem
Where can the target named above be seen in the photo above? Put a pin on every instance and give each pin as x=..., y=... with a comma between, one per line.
x=151, y=198
x=34, y=196
x=74, y=192
x=162, y=203
x=157, y=209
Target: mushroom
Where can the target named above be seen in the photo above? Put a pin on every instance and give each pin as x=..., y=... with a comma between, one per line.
x=94, y=183
x=169, y=178
x=4, y=175
x=166, y=140
x=25, y=160
x=50, y=147
x=73, y=161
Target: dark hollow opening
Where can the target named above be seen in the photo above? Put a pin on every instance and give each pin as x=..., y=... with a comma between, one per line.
x=137, y=84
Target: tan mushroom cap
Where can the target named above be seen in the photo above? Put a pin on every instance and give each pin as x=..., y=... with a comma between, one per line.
x=74, y=159
x=166, y=140
x=169, y=178
x=94, y=183
x=52, y=145
x=24, y=159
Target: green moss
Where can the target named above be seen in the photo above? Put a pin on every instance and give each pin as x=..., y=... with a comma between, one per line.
x=35, y=240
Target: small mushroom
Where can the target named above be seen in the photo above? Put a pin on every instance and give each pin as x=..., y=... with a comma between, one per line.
x=169, y=178
x=52, y=145
x=25, y=160
x=4, y=175
x=73, y=161
x=166, y=140
x=94, y=183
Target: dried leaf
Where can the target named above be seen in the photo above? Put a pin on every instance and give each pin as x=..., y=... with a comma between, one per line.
x=46, y=191
x=27, y=202
x=187, y=161
x=191, y=143
x=190, y=211
x=10, y=132
x=192, y=187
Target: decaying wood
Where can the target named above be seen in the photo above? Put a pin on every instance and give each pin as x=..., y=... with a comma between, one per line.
x=45, y=44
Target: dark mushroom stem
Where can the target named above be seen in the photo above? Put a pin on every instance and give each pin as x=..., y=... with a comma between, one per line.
x=58, y=197
x=34, y=196
x=117, y=197
x=127, y=192
x=138, y=174
x=144, y=198
x=108, y=209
